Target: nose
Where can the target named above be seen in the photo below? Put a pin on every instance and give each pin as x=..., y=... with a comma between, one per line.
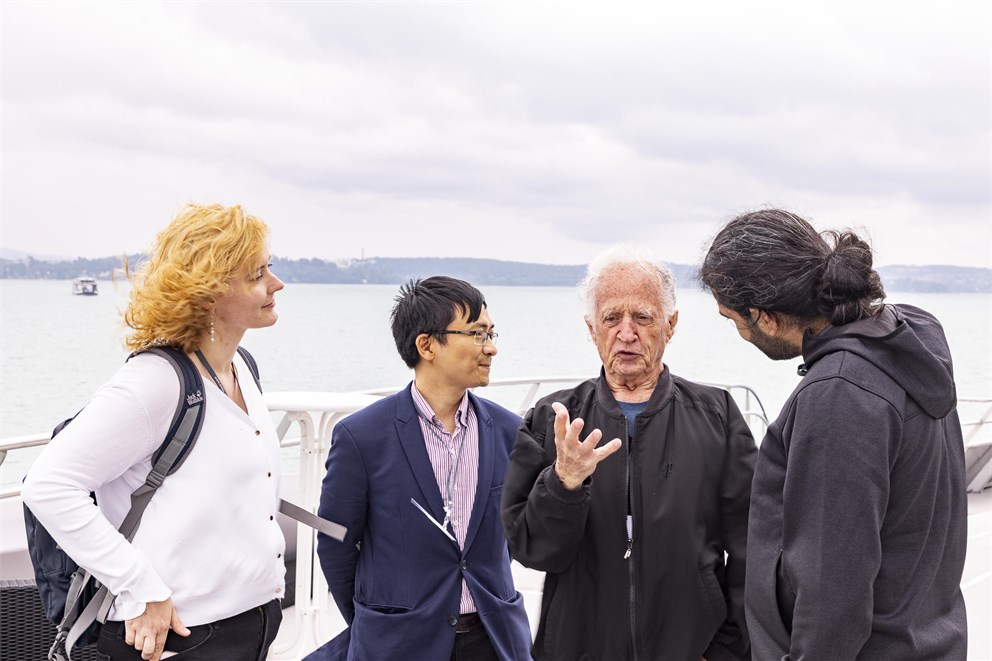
x=627, y=330
x=277, y=284
x=489, y=348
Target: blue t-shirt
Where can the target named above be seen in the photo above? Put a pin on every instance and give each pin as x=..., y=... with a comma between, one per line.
x=631, y=411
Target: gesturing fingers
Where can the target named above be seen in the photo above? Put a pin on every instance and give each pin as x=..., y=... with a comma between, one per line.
x=590, y=449
x=577, y=459
x=606, y=450
x=562, y=423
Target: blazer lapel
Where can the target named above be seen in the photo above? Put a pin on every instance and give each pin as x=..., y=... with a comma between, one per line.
x=486, y=463
x=412, y=441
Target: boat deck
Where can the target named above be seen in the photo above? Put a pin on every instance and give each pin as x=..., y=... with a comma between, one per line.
x=301, y=633
x=976, y=584
x=314, y=619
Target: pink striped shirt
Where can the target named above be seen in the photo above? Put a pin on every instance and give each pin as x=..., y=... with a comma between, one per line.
x=455, y=459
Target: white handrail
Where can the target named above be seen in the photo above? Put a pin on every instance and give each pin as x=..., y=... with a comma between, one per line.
x=315, y=414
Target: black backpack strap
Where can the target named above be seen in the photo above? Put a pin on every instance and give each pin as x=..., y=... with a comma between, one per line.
x=183, y=432
x=252, y=365
x=188, y=419
x=179, y=440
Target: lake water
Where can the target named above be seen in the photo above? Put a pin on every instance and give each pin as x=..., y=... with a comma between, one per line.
x=56, y=348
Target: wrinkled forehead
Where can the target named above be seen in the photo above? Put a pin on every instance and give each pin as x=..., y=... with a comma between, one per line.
x=628, y=287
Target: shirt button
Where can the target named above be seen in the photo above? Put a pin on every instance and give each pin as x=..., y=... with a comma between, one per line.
x=452, y=620
x=271, y=517
x=258, y=432
x=278, y=555
x=464, y=564
x=278, y=590
x=270, y=474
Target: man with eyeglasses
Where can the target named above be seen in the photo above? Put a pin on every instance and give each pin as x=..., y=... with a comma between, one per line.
x=642, y=539
x=424, y=572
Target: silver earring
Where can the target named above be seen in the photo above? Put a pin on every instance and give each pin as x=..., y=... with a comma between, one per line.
x=213, y=334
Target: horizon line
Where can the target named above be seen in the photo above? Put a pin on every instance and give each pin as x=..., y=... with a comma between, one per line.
x=23, y=254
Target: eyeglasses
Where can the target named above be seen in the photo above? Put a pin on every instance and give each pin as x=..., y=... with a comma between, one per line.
x=478, y=336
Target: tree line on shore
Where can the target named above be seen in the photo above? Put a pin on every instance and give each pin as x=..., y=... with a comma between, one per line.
x=482, y=272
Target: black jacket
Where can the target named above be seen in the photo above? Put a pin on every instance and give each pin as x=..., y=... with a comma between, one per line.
x=674, y=598
x=858, y=512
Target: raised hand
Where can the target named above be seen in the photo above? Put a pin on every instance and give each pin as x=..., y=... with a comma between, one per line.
x=577, y=459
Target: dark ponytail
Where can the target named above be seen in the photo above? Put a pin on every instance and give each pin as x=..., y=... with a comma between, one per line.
x=775, y=261
x=849, y=288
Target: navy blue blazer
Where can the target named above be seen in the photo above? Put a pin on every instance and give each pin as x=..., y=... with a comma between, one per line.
x=396, y=577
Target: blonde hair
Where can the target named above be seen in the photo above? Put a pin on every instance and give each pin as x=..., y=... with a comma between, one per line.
x=190, y=266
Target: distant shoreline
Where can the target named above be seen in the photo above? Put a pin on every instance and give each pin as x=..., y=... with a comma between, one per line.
x=482, y=272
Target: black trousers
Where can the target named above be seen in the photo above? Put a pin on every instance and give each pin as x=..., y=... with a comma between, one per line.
x=243, y=637
x=473, y=645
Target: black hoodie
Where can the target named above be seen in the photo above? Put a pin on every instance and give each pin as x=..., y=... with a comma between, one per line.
x=858, y=522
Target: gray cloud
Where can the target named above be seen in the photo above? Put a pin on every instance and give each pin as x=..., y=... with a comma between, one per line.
x=538, y=131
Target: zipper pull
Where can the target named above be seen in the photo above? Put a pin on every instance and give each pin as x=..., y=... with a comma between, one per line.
x=630, y=536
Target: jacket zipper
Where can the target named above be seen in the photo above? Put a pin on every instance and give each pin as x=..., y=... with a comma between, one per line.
x=629, y=521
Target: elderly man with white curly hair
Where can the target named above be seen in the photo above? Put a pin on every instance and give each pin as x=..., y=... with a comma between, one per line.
x=642, y=538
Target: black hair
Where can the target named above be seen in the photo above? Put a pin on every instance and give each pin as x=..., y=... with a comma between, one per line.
x=775, y=261
x=430, y=305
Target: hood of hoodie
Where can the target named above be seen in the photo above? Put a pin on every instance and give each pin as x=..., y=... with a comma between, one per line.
x=904, y=342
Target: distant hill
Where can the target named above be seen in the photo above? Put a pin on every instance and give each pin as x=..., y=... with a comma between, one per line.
x=31, y=268
x=938, y=278
x=13, y=255
x=482, y=272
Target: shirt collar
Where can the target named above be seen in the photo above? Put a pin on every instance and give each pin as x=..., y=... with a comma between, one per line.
x=425, y=411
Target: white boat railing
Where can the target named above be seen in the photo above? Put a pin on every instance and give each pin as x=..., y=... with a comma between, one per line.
x=971, y=428
x=19, y=443
x=314, y=415
x=315, y=616
x=978, y=444
x=747, y=399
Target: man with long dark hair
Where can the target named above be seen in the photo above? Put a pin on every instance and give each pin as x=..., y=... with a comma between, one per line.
x=857, y=531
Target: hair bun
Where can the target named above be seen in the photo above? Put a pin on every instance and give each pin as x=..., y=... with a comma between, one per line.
x=848, y=283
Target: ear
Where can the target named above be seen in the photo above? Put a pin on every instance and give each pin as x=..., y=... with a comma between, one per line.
x=770, y=323
x=425, y=347
x=672, y=321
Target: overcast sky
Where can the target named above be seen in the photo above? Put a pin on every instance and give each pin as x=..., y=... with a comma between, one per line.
x=530, y=131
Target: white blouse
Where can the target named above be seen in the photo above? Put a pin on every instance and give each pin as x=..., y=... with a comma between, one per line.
x=209, y=536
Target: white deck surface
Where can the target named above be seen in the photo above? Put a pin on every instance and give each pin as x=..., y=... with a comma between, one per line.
x=976, y=583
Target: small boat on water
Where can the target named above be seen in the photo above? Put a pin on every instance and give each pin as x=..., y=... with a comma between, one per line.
x=84, y=285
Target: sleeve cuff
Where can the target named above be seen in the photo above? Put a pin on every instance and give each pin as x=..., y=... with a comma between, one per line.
x=558, y=491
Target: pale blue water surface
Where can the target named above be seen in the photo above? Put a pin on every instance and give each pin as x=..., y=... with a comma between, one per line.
x=56, y=348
